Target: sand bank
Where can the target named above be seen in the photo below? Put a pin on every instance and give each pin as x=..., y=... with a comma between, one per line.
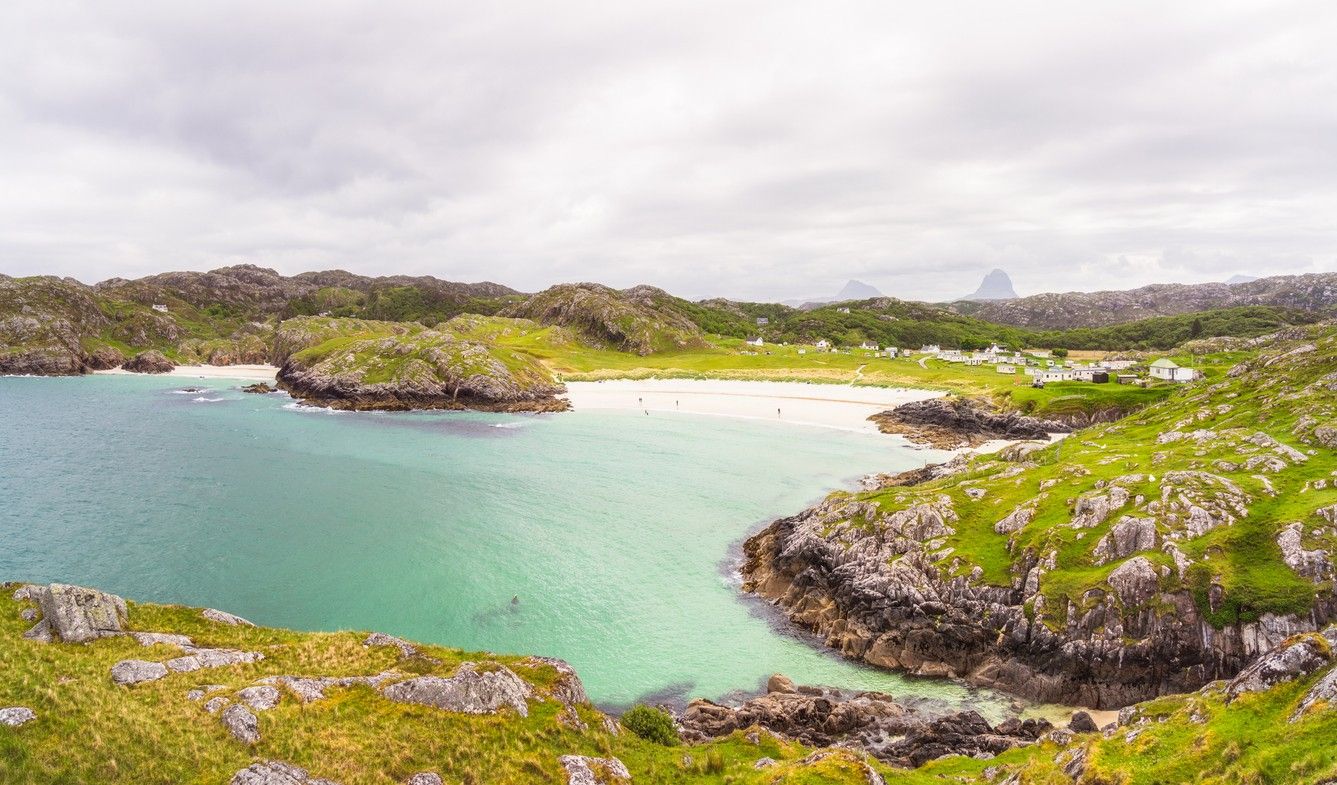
x=825, y=405
x=262, y=373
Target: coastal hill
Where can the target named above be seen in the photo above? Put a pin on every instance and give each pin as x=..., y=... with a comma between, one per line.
x=641, y=320
x=176, y=694
x=1149, y=555
x=1312, y=292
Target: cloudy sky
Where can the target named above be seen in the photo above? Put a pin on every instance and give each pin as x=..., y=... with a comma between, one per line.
x=760, y=150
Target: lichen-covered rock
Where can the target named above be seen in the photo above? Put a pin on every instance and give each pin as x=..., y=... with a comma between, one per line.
x=583, y=770
x=1128, y=536
x=1297, y=657
x=1314, y=564
x=275, y=773
x=75, y=614
x=14, y=716
x=137, y=671
x=211, y=658
x=241, y=723
x=406, y=649
x=223, y=617
x=164, y=638
x=425, y=778
x=260, y=698
x=470, y=690
x=1323, y=693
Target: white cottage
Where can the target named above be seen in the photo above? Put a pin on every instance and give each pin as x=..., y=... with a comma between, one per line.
x=1171, y=371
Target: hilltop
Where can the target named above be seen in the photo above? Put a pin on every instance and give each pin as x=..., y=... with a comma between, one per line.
x=995, y=286
x=1132, y=559
x=1311, y=292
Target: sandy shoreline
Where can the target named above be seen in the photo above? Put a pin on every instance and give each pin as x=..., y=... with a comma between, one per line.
x=825, y=405
x=263, y=373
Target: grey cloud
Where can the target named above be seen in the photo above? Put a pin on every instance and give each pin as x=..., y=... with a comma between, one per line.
x=762, y=150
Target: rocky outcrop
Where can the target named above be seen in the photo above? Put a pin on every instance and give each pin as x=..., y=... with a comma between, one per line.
x=1293, y=659
x=397, y=367
x=870, y=721
x=259, y=388
x=948, y=423
x=130, y=672
x=104, y=359
x=74, y=614
x=151, y=361
x=223, y=617
x=275, y=773
x=472, y=690
x=876, y=593
x=584, y=770
x=241, y=723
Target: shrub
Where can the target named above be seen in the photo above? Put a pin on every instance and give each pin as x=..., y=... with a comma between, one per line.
x=651, y=724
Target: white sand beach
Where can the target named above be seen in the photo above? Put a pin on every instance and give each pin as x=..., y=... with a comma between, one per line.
x=825, y=405
x=261, y=373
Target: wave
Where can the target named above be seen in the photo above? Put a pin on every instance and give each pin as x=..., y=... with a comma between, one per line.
x=202, y=399
x=298, y=406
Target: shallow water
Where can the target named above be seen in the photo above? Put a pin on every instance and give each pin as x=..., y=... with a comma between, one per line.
x=607, y=539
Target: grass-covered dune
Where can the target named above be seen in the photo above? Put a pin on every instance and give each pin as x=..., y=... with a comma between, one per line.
x=1134, y=558
x=191, y=696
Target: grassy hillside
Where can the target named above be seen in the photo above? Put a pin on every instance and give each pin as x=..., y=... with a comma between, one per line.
x=89, y=729
x=1218, y=471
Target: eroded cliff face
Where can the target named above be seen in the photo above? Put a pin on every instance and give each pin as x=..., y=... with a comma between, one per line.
x=878, y=593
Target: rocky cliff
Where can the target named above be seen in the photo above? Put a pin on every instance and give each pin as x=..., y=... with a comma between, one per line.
x=1133, y=559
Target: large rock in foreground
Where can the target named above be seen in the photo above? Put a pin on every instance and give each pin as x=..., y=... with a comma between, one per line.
x=75, y=614
x=950, y=422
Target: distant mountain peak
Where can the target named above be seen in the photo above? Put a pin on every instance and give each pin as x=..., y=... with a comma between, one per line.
x=995, y=286
x=857, y=290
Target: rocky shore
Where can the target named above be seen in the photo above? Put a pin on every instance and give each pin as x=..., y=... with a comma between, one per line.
x=950, y=423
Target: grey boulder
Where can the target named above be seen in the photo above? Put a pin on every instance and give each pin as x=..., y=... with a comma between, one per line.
x=272, y=772
x=75, y=614
x=223, y=617
x=469, y=691
x=241, y=723
x=136, y=671
x=14, y=716
x=584, y=770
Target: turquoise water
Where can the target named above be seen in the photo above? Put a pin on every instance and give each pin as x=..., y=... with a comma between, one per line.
x=618, y=532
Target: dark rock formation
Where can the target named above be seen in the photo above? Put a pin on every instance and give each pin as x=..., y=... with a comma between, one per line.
x=870, y=721
x=951, y=422
x=151, y=361
x=104, y=358
x=875, y=593
x=258, y=387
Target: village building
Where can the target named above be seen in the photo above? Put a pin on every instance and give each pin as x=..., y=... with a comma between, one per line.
x=1096, y=375
x=1006, y=368
x=1126, y=378
x=869, y=346
x=1054, y=375
x=823, y=345
x=1171, y=371
x=930, y=348
x=1119, y=365
x=974, y=361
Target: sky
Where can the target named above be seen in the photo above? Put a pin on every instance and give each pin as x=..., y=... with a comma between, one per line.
x=755, y=150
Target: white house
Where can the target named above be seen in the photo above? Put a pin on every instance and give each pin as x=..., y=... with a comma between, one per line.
x=755, y=341
x=160, y=308
x=869, y=346
x=973, y=361
x=1005, y=368
x=951, y=355
x=823, y=345
x=1054, y=375
x=1171, y=371
x=930, y=348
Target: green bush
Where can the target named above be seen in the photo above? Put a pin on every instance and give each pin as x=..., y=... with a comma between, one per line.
x=651, y=724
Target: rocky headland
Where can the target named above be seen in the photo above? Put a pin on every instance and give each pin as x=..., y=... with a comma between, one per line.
x=1135, y=559
x=954, y=422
